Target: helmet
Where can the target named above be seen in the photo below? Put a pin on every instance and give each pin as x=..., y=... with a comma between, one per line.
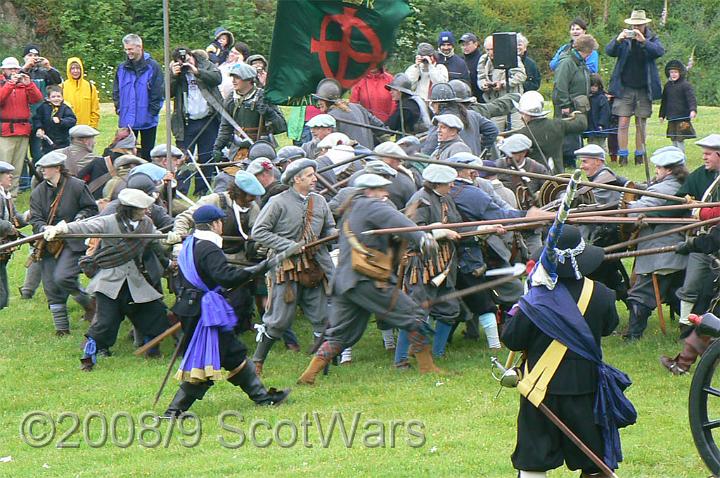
x=289, y=153
x=400, y=83
x=442, y=93
x=328, y=89
x=462, y=91
x=261, y=149
x=143, y=182
x=531, y=103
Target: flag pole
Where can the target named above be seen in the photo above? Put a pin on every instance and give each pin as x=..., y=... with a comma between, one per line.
x=168, y=134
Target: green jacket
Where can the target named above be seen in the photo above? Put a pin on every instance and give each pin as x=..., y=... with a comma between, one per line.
x=572, y=79
x=547, y=137
x=208, y=80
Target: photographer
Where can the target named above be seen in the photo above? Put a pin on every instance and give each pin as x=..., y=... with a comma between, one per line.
x=17, y=93
x=426, y=72
x=492, y=82
x=635, y=81
x=194, y=89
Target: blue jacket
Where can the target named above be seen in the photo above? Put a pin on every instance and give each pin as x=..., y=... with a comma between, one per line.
x=621, y=50
x=592, y=62
x=599, y=116
x=138, y=93
x=456, y=67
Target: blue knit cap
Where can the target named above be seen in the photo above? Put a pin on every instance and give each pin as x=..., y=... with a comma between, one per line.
x=207, y=214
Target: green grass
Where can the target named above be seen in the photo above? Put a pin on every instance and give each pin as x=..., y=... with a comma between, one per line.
x=467, y=431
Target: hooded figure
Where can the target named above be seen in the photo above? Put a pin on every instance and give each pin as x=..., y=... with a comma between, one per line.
x=80, y=94
x=219, y=49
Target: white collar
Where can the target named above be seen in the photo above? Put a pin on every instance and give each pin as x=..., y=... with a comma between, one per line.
x=209, y=236
x=5, y=194
x=237, y=210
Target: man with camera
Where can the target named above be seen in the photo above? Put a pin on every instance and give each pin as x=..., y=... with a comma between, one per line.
x=635, y=81
x=426, y=71
x=195, y=121
x=17, y=94
x=493, y=83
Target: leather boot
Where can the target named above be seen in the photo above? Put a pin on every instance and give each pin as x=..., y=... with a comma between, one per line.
x=425, y=361
x=639, y=314
x=247, y=379
x=186, y=395
x=613, y=158
x=693, y=346
x=317, y=364
x=261, y=352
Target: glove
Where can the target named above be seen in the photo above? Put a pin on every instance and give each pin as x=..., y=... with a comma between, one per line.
x=684, y=248
x=51, y=231
x=428, y=246
x=173, y=238
x=259, y=269
x=440, y=233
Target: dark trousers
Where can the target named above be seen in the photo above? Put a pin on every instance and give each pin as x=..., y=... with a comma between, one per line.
x=60, y=276
x=232, y=351
x=147, y=141
x=149, y=318
x=203, y=143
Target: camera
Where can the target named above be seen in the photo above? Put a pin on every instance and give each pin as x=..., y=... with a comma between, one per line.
x=182, y=55
x=630, y=34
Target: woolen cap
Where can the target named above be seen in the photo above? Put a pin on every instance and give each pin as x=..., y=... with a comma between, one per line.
x=160, y=151
x=295, y=167
x=590, y=151
x=490, y=164
x=289, y=153
x=370, y=181
x=249, y=183
x=439, y=174
x=446, y=37
x=516, y=144
x=31, y=48
x=53, y=158
x=6, y=167
x=322, y=121
x=155, y=172
x=83, y=131
x=379, y=167
x=135, y=198
x=259, y=165
x=207, y=214
x=449, y=120
x=143, y=182
x=587, y=258
x=710, y=142
x=128, y=159
x=668, y=156
x=126, y=142
x=243, y=71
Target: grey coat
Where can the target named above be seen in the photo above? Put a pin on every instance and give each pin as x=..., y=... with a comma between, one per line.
x=279, y=224
x=657, y=262
x=446, y=149
x=357, y=114
x=109, y=281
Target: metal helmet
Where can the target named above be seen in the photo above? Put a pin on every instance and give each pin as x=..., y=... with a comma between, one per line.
x=261, y=149
x=401, y=83
x=328, y=89
x=442, y=93
x=462, y=91
x=143, y=182
x=289, y=153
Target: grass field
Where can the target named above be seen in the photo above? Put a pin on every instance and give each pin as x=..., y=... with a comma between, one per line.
x=465, y=430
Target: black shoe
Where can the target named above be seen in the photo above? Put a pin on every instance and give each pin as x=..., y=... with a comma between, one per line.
x=275, y=397
x=86, y=364
x=247, y=379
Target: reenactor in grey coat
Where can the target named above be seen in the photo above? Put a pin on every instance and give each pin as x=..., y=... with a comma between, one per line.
x=290, y=219
x=365, y=282
x=9, y=221
x=449, y=141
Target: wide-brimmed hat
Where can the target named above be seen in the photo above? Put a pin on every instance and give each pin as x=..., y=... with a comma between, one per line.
x=10, y=63
x=576, y=258
x=637, y=17
x=531, y=103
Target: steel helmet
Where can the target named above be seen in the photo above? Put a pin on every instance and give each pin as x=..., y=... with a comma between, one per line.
x=400, y=83
x=328, y=89
x=462, y=91
x=289, y=153
x=442, y=93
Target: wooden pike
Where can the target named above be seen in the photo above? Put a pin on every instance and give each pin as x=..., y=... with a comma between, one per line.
x=643, y=252
x=687, y=227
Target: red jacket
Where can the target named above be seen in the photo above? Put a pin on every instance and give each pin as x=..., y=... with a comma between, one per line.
x=15, y=101
x=370, y=92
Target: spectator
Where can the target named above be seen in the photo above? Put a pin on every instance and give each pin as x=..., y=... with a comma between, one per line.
x=53, y=120
x=426, y=71
x=138, y=93
x=195, y=123
x=260, y=63
x=577, y=27
x=635, y=81
x=471, y=49
x=17, y=93
x=456, y=67
x=532, y=83
x=599, y=116
x=219, y=49
x=371, y=92
x=237, y=54
x=678, y=105
x=493, y=84
x=81, y=94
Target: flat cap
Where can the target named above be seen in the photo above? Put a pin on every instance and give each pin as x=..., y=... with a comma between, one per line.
x=464, y=157
x=449, y=120
x=249, y=183
x=160, y=151
x=668, y=156
x=388, y=147
x=490, y=164
x=322, y=121
x=258, y=165
x=408, y=140
x=379, y=167
x=127, y=160
x=333, y=139
x=425, y=49
x=370, y=181
x=207, y=214
x=143, y=182
x=295, y=167
x=155, y=172
x=126, y=142
x=6, y=167
x=53, y=158
x=243, y=71
x=439, y=174
x=83, y=131
x=516, y=144
x=135, y=198
x=710, y=142
x=591, y=151
x=289, y=153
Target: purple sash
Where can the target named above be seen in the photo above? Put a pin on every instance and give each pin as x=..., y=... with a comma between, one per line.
x=201, y=361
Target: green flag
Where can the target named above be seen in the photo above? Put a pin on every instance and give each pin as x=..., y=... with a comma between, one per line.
x=316, y=39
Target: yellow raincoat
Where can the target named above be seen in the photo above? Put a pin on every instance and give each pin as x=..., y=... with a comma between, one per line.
x=82, y=96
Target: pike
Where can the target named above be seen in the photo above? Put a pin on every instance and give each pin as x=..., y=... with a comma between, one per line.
x=687, y=227
x=639, y=192
x=343, y=162
x=368, y=126
x=516, y=271
x=643, y=252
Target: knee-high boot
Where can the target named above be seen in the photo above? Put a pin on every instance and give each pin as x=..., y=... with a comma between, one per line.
x=326, y=352
x=184, y=398
x=694, y=345
x=247, y=379
x=639, y=314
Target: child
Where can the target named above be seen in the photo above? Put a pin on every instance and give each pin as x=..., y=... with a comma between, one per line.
x=53, y=120
x=599, y=115
x=678, y=104
x=219, y=49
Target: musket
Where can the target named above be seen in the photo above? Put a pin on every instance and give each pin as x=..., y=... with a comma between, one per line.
x=199, y=170
x=519, y=271
x=687, y=227
x=622, y=189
